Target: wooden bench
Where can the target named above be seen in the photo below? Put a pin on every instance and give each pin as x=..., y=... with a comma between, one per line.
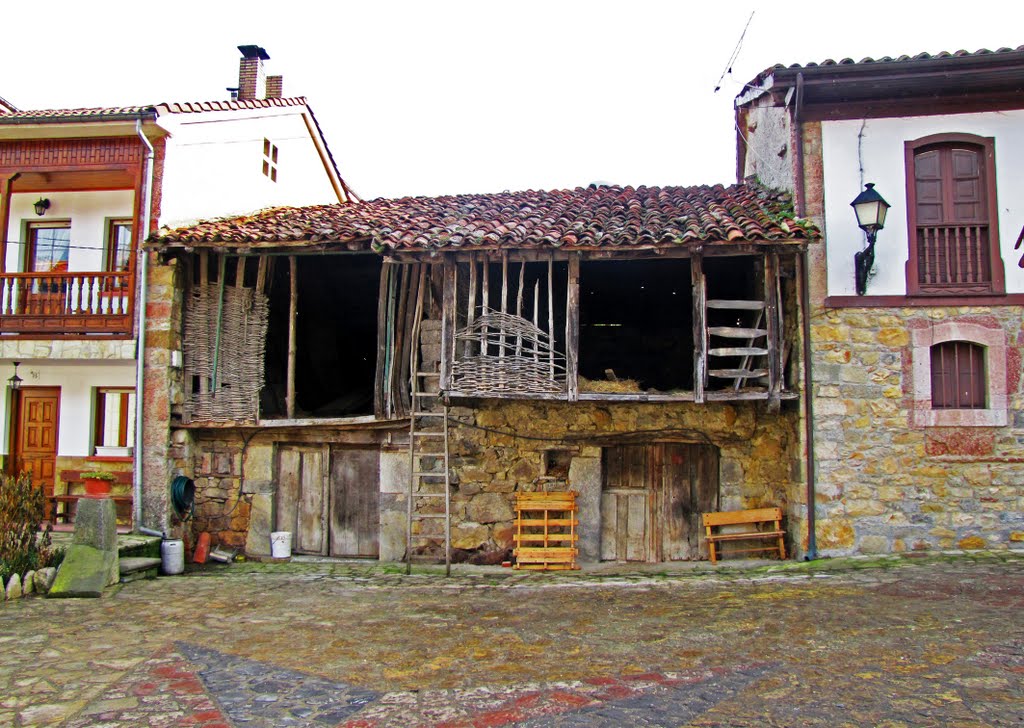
x=123, y=503
x=753, y=518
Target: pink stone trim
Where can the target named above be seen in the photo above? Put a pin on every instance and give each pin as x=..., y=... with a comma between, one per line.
x=994, y=341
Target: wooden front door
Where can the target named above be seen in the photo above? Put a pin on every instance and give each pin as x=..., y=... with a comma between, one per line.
x=35, y=436
x=355, y=502
x=328, y=498
x=301, y=503
x=652, y=499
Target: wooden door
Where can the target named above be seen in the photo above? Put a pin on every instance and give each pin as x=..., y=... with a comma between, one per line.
x=355, y=502
x=35, y=436
x=652, y=499
x=302, y=497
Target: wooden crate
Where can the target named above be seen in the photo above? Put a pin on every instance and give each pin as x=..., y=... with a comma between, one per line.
x=545, y=534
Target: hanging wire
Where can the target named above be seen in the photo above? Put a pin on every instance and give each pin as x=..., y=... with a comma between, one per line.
x=735, y=53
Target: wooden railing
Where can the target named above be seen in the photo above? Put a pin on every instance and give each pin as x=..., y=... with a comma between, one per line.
x=66, y=302
x=954, y=257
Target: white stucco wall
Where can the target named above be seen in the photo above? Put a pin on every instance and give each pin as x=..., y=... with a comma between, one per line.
x=89, y=214
x=214, y=164
x=78, y=382
x=881, y=152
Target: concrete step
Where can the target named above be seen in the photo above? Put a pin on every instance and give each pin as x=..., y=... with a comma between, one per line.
x=135, y=568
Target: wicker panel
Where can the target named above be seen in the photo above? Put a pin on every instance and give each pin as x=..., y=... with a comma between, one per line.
x=240, y=365
x=502, y=353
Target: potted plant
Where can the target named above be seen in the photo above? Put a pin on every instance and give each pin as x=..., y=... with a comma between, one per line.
x=98, y=484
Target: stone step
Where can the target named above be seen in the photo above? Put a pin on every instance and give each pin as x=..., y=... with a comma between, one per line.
x=136, y=568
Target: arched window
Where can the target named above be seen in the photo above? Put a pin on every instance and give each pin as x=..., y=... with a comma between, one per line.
x=958, y=375
x=954, y=237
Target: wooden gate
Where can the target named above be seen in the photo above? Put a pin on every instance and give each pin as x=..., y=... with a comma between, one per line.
x=328, y=498
x=652, y=499
x=35, y=436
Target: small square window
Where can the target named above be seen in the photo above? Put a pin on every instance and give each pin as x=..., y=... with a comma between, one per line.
x=115, y=417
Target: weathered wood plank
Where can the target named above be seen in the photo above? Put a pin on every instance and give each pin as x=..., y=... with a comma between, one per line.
x=382, y=336
x=700, y=338
x=773, y=314
x=572, y=329
x=293, y=333
x=448, y=322
x=738, y=373
x=735, y=305
x=735, y=332
x=738, y=351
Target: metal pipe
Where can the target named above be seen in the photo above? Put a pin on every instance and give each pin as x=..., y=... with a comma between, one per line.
x=140, y=351
x=805, y=305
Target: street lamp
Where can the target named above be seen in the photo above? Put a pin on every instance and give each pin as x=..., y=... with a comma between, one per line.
x=41, y=205
x=15, y=381
x=870, y=209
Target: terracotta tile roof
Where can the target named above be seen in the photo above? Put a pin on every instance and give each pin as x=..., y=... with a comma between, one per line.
x=586, y=217
x=112, y=113
x=888, y=62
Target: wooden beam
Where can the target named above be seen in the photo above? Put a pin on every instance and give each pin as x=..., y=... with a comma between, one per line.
x=700, y=336
x=5, y=217
x=572, y=329
x=261, y=274
x=382, y=318
x=485, y=274
x=504, y=303
x=551, y=315
x=240, y=271
x=448, y=323
x=204, y=267
x=220, y=319
x=519, y=306
x=771, y=295
x=293, y=310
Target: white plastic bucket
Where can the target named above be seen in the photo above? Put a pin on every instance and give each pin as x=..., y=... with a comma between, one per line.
x=281, y=544
x=172, y=556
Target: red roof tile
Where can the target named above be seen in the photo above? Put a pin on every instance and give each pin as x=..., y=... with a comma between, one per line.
x=591, y=217
x=120, y=112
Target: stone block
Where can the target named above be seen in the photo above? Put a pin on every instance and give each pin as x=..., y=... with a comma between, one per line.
x=394, y=472
x=13, y=588
x=489, y=508
x=85, y=572
x=894, y=337
x=971, y=542
x=257, y=539
x=470, y=536
x=874, y=545
x=96, y=524
x=585, y=479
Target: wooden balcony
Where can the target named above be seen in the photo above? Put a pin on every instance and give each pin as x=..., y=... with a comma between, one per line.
x=954, y=258
x=66, y=303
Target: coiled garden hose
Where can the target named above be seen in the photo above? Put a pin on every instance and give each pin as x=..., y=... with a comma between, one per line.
x=183, y=496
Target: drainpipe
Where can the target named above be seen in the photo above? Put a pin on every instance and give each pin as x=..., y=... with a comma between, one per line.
x=805, y=304
x=140, y=306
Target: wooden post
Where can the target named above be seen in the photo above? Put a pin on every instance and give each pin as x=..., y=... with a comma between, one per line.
x=221, y=276
x=551, y=315
x=700, y=335
x=536, y=318
x=771, y=295
x=485, y=274
x=572, y=328
x=471, y=311
x=293, y=310
x=504, y=303
x=447, y=323
x=261, y=275
x=204, y=267
x=382, y=318
x=519, y=306
x=5, y=216
x=240, y=272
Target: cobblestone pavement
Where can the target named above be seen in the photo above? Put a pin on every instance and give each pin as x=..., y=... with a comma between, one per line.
x=937, y=641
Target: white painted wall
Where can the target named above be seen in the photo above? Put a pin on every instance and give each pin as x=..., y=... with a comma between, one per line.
x=78, y=382
x=880, y=151
x=214, y=164
x=89, y=214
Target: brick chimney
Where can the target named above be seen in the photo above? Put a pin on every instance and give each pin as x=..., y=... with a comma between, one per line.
x=275, y=87
x=252, y=79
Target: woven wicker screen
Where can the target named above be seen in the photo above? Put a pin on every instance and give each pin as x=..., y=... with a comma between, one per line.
x=502, y=354
x=239, y=363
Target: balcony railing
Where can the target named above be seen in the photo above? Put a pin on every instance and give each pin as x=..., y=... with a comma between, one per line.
x=66, y=303
x=953, y=258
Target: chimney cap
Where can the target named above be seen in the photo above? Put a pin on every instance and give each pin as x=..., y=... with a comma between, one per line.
x=254, y=51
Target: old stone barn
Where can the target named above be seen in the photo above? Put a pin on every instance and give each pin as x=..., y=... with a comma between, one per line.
x=641, y=347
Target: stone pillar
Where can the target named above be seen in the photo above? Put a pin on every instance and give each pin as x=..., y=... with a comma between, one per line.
x=91, y=562
x=394, y=484
x=585, y=479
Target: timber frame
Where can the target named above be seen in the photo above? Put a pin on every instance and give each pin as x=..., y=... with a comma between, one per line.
x=505, y=334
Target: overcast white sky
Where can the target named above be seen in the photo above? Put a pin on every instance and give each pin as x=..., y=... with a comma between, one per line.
x=429, y=98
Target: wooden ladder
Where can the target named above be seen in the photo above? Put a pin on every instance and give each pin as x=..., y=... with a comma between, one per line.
x=428, y=455
x=752, y=348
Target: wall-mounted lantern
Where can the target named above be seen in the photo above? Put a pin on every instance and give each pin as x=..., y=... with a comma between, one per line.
x=42, y=205
x=870, y=209
x=15, y=381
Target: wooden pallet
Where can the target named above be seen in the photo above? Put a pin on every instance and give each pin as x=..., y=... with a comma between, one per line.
x=545, y=534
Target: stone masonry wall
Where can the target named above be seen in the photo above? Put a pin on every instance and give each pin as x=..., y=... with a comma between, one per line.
x=887, y=484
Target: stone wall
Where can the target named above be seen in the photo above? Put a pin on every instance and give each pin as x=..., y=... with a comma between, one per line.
x=887, y=484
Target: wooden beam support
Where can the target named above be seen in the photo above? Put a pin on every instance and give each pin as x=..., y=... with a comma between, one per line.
x=261, y=275
x=572, y=329
x=382, y=333
x=771, y=297
x=5, y=216
x=700, y=334
x=448, y=323
x=293, y=310
x=220, y=320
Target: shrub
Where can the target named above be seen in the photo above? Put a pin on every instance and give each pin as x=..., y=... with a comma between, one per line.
x=22, y=508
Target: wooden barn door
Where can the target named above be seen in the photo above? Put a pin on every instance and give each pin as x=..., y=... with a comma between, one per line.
x=652, y=499
x=355, y=502
x=302, y=497
x=35, y=436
